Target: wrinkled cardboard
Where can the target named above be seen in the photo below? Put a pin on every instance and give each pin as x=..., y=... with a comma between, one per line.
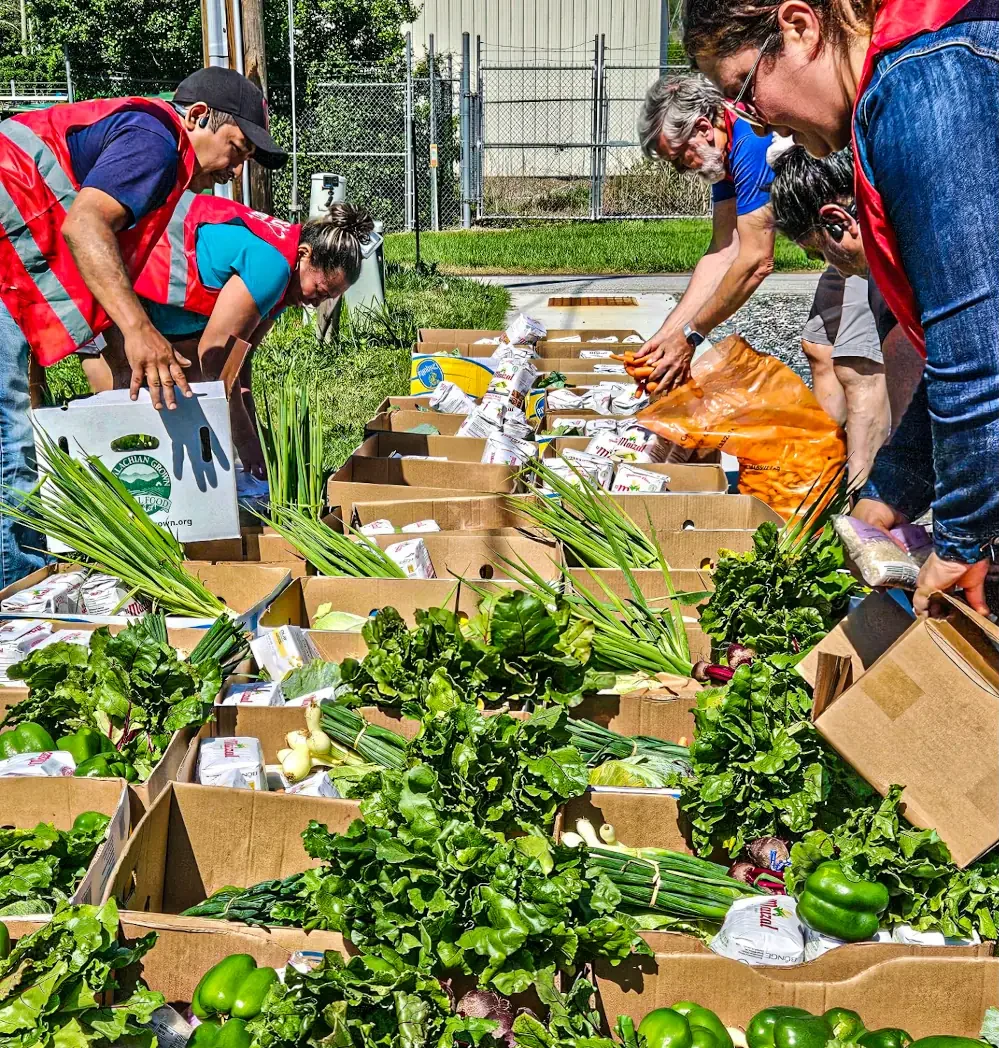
x=642, y=818
x=925, y=990
x=197, y=839
x=477, y=557
x=464, y=513
x=693, y=550
x=452, y=448
x=403, y=421
x=924, y=715
x=24, y=803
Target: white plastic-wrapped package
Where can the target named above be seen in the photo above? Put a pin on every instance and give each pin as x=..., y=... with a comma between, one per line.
x=256, y=693
x=377, y=527
x=59, y=594
x=511, y=382
x=234, y=762
x=419, y=526
x=631, y=480
x=885, y=560
x=283, y=649
x=449, y=399
x=485, y=419
x=413, y=557
x=106, y=595
x=762, y=931
x=49, y=764
x=508, y=450
x=524, y=330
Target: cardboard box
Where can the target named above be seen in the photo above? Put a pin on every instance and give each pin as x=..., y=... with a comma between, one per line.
x=478, y=557
x=27, y=802
x=465, y=513
x=182, y=473
x=692, y=550
x=926, y=990
x=197, y=839
x=246, y=589
x=471, y=335
x=256, y=543
x=403, y=420
x=452, y=448
x=925, y=715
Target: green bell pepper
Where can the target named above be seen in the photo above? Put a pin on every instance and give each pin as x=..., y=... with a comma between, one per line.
x=205, y=1035
x=25, y=738
x=846, y=1024
x=760, y=1031
x=4, y=941
x=90, y=822
x=844, y=907
x=664, y=1028
x=105, y=766
x=943, y=1041
x=802, y=1031
x=235, y=987
x=84, y=744
x=231, y=1034
x=886, y=1037
x=704, y=1019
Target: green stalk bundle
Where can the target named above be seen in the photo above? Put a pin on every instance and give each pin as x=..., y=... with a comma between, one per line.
x=223, y=642
x=598, y=744
x=291, y=437
x=666, y=882
x=84, y=506
x=331, y=553
x=377, y=745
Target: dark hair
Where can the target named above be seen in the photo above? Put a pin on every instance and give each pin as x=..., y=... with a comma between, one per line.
x=802, y=184
x=723, y=27
x=336, y=238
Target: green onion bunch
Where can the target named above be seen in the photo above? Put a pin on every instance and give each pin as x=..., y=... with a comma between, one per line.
x=377, y=745
x=598, y=744
x=291, y=437
x=330, y=552
x=82, y=505
x=586, y=519
x=666, y=882
x=224, y=642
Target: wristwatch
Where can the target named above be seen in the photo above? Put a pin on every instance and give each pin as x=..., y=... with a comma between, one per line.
x=694, y=338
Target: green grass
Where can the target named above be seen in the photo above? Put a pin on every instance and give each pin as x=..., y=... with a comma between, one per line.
x=670, y=246
x=368, y=362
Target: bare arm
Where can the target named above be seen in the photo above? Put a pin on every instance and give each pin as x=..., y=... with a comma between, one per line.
x=90, y=229
x=235, y=313
x=753, y=264
x=868, y=413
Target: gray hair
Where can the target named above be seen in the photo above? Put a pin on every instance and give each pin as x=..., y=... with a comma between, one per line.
x=671, y=108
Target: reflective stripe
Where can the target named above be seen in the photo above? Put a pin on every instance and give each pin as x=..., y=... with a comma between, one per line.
x=177, y=281
x=42, y=157
x=49, y=285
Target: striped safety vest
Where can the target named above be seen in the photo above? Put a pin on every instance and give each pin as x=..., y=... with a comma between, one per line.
x=171, y=276
x=40, y=284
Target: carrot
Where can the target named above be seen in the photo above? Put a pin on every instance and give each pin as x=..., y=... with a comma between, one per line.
x=642, y=372
x=618, y=356
x=651, y=387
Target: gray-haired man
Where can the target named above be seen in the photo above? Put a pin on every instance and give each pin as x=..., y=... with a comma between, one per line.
x=687, y=122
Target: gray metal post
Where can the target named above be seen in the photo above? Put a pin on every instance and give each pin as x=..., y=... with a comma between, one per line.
x=70, y=94
x=663, y=36
x=466, y=132
x=294, y=207
x=594, y=127
x=435, y=218
x=480, y=131
x=603, y=123
x=408, y=133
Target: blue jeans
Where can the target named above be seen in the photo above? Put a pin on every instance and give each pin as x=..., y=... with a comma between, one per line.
x=18, y=471
x=927, y=132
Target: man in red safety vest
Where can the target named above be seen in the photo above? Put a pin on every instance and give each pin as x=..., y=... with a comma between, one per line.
x=86, y=190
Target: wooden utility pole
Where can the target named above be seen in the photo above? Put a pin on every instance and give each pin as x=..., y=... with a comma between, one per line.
x=255, y=64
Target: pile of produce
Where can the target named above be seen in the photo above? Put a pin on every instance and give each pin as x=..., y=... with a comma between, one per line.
x=41, y=868
x=115, y=704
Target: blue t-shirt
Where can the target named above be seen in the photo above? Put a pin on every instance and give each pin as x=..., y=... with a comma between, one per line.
x=749, y=174
x=223, y=250
x=132, y=156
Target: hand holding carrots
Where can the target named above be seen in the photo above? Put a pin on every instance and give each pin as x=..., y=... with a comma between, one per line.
x=640, y=371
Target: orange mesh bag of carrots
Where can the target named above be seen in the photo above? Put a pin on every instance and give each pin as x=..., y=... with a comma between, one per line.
x=756, y=408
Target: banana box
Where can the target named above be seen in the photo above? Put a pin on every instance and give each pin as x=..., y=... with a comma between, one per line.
x=471, y=376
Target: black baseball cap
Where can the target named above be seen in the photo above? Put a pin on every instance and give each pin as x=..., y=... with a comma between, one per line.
x=230, y=92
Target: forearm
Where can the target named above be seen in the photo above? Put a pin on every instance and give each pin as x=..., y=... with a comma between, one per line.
x=95, y=251
x=868, y=414
x=743, y=277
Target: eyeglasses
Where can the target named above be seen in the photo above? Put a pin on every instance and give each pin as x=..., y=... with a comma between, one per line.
x=748, y=111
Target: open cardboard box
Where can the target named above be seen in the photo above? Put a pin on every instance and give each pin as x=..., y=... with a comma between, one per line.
x=403, y=420
x=917, y=704
x=926, y=990
x=24, y=803
x=246, y=589
x=257, y=543
x=471, y=335
x=197, y=839
x=452, y=448
x=477, y=556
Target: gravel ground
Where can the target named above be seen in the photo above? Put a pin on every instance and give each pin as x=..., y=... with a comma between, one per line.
x=773, y=324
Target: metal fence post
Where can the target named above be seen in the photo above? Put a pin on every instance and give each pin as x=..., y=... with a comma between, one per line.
x=479, y=126
x=466, y=132
x=603, y=122
x=435, y=218
x=410, y=167
x=594, y=128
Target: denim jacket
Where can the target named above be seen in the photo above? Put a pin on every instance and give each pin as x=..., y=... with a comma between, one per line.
x=927, y=135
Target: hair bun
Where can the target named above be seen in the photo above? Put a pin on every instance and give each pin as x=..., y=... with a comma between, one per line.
x=353, y=220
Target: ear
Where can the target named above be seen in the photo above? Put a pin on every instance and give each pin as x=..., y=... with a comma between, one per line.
x=702, y=125
x=194, y=113
x=835, y=213
x=304, y=253
x=800, y=25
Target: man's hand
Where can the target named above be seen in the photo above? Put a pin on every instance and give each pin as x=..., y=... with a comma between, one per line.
x=878, y=514
x=939, y=575
x=669, y=354
x=154, y=361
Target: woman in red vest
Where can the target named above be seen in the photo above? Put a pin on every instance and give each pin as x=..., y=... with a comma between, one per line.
x=223, y=269
x=916, y=87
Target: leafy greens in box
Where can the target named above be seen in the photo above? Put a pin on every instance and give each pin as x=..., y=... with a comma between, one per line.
x=55, y=986
x=514, y=649
x=132, y=688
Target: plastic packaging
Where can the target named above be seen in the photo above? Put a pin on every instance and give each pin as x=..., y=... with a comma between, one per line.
x=106, y=595
x=413, y=557
x=233, y=762
x=508, y=450
x=630, y=480
x=524, y=330
x=450, y=400
x=884, y=560
x=377, y=527
x=634, y=445
x=599, y=469
x=258, y=693
x=485, y=419
x=761, y=412
x=58, y=594
x=564, y=400
x=50, y=764
x=316, y=785
x=763, y=931
x=420, y=526
x=282, y=650
x=511, y=382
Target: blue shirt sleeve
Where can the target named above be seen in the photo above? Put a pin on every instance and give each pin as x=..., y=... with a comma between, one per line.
x=724, y=190
x=230, y=249
x=132, y=156
x=748, y=168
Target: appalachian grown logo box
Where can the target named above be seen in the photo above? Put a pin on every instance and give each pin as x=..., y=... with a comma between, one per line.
x=177, y=464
